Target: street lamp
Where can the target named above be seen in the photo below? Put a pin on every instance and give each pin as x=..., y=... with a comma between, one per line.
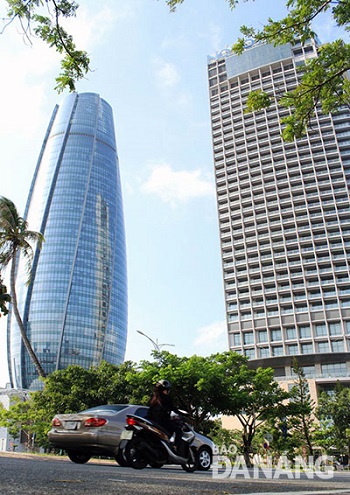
x=157, y=347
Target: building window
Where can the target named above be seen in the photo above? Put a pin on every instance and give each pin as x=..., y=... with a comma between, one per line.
x=291, y=333
x=309, y=370
x=321, y=330
x=306, y=348
x=293, y=349
x=264, y=352
x=277, y=350
x=248, y=338
x=262, y=336
x=236, y=339
x=323, y=347
x=233, y=317
x=250, y=353
x=332, y=305
x=246, y=316
x=314, y=294
x=348, y=327
x=334, y=329
x=276, y=335
x=333, y=369
x=305, y=332
x=337, y=346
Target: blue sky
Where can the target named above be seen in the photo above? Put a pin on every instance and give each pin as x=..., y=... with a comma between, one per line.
x=150, y=65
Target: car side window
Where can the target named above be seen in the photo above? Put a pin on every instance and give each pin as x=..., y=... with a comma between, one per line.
x=141, y=411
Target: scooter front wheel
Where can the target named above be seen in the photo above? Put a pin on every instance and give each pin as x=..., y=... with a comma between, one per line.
x=134, y=457
x=191, y=464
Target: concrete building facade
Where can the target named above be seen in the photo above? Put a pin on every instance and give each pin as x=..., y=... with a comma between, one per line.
x=284, y=218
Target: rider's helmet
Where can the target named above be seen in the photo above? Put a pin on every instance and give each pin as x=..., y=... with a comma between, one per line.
x=163, y=385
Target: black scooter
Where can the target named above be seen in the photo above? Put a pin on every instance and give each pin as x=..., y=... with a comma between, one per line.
x=145, y=442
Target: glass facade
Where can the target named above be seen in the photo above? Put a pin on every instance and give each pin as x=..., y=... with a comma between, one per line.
x=284, y=213
x=75, y=309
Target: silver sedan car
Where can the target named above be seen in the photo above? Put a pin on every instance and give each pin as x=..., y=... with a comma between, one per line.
x=96, y=431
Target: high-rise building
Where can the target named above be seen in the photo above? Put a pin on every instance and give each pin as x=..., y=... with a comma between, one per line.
x=75, y=308
x=284, y=218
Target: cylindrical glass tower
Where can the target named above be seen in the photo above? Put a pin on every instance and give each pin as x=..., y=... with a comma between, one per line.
x=75, y=309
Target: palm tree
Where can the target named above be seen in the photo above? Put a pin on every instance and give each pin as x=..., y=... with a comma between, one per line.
x=15, y=239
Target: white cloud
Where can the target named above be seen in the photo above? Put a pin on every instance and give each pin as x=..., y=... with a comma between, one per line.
x=211, y=338
x=27, y=73
x=175, y=187
x=90, y=29
x=166, y=73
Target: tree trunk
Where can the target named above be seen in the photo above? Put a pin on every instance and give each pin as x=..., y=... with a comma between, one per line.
x=247, y=446
x=307, y=437
x=22, y=330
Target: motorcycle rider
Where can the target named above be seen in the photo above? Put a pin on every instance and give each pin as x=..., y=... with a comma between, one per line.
x=160, y=409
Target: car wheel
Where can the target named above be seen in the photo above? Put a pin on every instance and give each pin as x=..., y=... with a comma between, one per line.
x=134, y=457
x=78, y=457
x=204, y=458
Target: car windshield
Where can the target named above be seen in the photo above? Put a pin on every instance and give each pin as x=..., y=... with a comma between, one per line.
x=108, y=408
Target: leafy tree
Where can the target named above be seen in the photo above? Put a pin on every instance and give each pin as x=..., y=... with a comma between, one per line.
x=15, y=239
x=219, y=384
x=24, y=420
x=67, y=391
x=261, y=399
x=334, y=413
x=202, y=386
x=279, y=443
x=75, y=388
x=113, y=381
x=325, y=436
x=43, y=19
x=6, y=421
x=297, y=428
x=4, y=298
x=301, y=408
x=228, y=442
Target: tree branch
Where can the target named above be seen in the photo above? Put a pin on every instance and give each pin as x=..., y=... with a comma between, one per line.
x=296, y=25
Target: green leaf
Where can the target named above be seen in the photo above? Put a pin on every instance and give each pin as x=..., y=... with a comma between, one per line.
x=257, y=100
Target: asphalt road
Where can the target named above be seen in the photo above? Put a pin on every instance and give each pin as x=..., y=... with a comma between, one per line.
x=34, y=475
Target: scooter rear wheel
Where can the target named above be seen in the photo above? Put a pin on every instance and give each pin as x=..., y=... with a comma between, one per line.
x=121, y=459
x=134, y=457
x=156, y=465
